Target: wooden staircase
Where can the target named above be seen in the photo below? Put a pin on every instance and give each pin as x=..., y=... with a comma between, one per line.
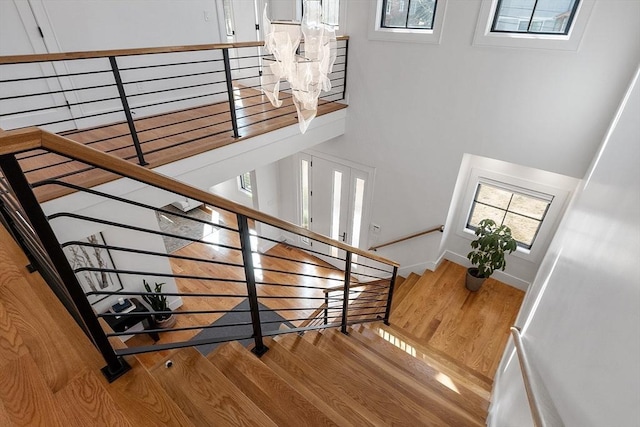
x=49, y=374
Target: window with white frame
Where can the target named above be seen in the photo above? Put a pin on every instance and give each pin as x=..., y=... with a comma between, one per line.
x=522, y=210
x=538, y=24
x=534, y=16
x=417, y=21
x=244, y=181
x=411, y=14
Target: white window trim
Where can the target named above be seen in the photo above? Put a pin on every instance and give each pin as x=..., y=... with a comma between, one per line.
x=408, y=35
x=547, y=227
x=571, y=41
x=241, y=188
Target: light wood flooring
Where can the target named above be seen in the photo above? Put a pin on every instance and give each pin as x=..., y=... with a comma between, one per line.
x=434, y=312
x=164, y=138
x=49, y=371
x=437, y=313
x=295, y=261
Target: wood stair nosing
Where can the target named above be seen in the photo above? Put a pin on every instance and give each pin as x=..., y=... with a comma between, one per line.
x=414, y=299
x=25, y=396
x=443, y=360
x=316, y=387
x=451, y=368
x=464, y=394
x=261, y=384
x=43, y=338
x=433, y=401
x=401, y=292
x=363, y=386
x=137, y=392
x=86, y=401
x=205, y=395
x=71, y=367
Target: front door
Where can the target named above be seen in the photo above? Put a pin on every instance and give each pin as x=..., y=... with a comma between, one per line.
x=333, y=201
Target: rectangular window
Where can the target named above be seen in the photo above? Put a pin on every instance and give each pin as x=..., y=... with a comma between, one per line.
x=521, y=210
x=331, y=12
x=410, y=14
x=228, y=17
x=245, y=182
x=534, y=16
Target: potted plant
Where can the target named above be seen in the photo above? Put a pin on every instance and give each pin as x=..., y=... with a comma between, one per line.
x=488, y=252
x=158, y=302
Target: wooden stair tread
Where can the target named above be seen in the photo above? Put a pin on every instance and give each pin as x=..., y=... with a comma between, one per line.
x=316, y=387
x=85, y=401
x=413, y=302
x=40, y=334
x=136, y=394
x=261, y=385
x=25, y=396
x=381, y=397
x=205, y=395
x=462, y=393
x=444, y=361
x=402, y=291
x=426, y=399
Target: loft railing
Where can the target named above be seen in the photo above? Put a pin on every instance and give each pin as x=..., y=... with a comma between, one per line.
x=241, y=259
x=543, y=411
x=159, y=104
x=439, y=228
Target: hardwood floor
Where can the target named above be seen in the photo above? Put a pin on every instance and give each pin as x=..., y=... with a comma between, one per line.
x=49, y=371
x=164, y=138
x=299, y=265
x=433, y=313
x=437, y=312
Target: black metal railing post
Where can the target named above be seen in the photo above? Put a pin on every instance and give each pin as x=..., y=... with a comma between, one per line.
x=232, y=101
x=387, y=312
x=346, y=57
x=326, y=308
x=345, y=302
x=127, y=110
x=116, y=366
x=247, y=255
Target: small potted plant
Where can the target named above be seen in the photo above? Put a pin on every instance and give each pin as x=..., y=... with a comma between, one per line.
x=488, y=252
x=158, y=302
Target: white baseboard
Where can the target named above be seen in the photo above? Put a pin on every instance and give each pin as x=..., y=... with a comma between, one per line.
x=498, y=275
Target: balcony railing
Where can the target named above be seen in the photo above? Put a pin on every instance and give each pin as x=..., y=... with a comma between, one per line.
x=242, y=258
x=149, y=106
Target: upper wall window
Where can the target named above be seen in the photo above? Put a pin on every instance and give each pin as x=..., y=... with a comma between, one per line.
x=534, y=16
x=416, y=14
x=538, y=24
x=415, y=21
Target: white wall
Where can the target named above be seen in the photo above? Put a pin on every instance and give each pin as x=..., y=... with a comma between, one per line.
x=415, y=109
x=105, y=24
x=522, y=264
x=580, y=319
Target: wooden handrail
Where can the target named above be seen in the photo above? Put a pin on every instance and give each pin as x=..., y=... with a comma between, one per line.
x=16, y=141
x=543, y=411
x=24, y=59
x=402, y=239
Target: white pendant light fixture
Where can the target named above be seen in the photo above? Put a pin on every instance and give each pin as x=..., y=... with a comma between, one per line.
x=303, y=54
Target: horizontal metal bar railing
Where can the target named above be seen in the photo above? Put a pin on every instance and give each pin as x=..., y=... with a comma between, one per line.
x=222, y=281
x=122, y=90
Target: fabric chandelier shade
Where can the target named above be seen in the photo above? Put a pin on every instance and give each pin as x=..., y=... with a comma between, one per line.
x=303, y=54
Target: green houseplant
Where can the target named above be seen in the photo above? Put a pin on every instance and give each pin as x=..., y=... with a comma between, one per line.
x=158, y=302
x=489, y=249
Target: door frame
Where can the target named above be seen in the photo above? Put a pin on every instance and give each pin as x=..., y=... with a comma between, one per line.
x=369, y=173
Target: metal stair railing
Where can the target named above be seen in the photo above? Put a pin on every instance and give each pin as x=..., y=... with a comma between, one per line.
x=244, y=258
